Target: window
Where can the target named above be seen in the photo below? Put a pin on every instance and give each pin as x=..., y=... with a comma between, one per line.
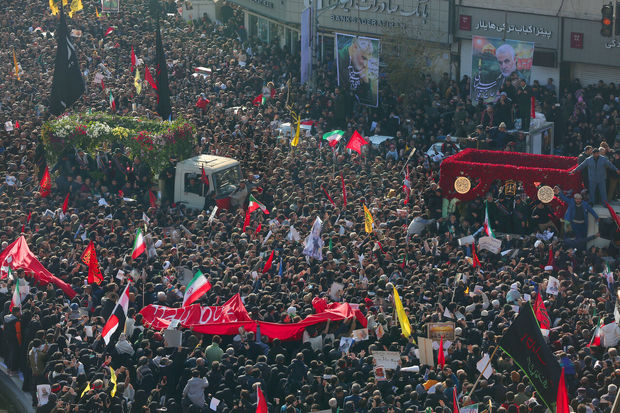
x=226, y=181
x=193, y=184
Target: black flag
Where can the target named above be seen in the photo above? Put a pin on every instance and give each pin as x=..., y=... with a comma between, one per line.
x=163, y=90
x=68, y=84
x=524, y=343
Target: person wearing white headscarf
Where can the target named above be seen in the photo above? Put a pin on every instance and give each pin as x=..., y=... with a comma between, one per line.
x=123, y=346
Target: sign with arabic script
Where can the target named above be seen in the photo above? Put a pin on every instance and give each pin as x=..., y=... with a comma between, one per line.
x=496, y=63
x=542, y=30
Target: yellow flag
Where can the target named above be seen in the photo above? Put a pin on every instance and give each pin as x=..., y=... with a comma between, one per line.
x=368, y=220
x=113, y=380
x=64, y=2
x=137, y=82
x=467, y=290
x=402, y=317
x=76, y=5
x=295, y=140
x=54, y=8
x=16, y=65
x=96, y=12
x=85, y=390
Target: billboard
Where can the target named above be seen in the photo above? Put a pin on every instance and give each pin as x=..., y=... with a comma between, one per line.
x=110, y=6
x=496, y=63
x=358, y=67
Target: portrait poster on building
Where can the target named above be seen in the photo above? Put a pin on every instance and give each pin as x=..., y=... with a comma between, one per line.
x=496, y=63
x=110, y=6
x=358, y=67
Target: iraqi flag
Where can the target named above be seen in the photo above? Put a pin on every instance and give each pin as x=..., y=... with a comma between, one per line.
x=333, y=137
x=198, y=286
x=253, y=205
x=139, y=246
x=118, y=317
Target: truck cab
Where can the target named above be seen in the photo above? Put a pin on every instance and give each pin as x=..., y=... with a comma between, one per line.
x=223, y=175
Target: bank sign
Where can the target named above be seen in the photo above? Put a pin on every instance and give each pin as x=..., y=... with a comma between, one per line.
x=414, y=19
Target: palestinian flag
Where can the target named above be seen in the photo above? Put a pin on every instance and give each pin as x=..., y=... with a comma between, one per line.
x=254, y=205
x=16, y=301
x=487, y=224
x=118, y=317
x=198, y=286
x=139, y=246
x=333, y=137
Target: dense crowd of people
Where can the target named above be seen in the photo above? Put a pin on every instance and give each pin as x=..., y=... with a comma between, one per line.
x=414, y=246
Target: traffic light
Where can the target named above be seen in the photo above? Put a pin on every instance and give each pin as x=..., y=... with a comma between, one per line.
x=607, y=20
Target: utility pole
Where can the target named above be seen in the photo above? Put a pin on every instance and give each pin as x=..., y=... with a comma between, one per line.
x=314, y=35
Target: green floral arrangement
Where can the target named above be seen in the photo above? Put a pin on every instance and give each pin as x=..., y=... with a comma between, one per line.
x=154, y=141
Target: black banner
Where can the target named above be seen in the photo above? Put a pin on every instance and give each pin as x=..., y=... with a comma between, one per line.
x=163, y=90
x=68, y=84
x=524, y=343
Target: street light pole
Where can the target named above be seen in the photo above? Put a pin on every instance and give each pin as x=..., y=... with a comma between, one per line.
x=314, y=33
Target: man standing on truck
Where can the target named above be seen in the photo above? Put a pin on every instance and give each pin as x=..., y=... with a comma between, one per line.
x=597, y=166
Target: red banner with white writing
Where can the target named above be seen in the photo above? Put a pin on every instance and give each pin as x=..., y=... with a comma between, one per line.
x=226, y=319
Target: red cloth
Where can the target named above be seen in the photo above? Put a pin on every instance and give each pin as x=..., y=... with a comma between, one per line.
x=24, y=259
x=149, y=77
x=613, y=215
x=488, y=166
x=226, y=319
x=267, y=266
x=133, y=59
x=319, y=304
x=562, y=399
x=441, y=358
x=356, y=142
x=46, y=184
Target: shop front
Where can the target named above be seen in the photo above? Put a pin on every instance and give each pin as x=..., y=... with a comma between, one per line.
x=541, y=31
x=588, y=56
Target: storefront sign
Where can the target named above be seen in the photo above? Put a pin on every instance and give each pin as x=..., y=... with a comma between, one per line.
x=525, y=29
x=419, y=8
x=465, y=22
x=576, y=40
x=263, y=3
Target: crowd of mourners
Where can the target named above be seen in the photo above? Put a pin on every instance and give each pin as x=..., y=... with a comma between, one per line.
x=414, y=247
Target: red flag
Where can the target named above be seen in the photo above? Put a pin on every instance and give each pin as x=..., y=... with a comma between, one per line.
x=29, y=216
x=269, y=262
x=328, y=197
x=551, y=259
x=16, y=124
x=476, y=261
x=89, y=257
x=258, y=100
x=261, y=402
x=272, y=93
x=153, y=199
x=533, y=106
x=121, y=193
x=441, y=358
x=562, y=399
x=65, y=205
x=356, y=142
x=102, y=85
x=613, y=214
x=133, y=59
x=110, y=30
x=541, y=313
x=246, y=221
x=45, y=184
x=455, y=401
x=258, y=228
x=148, y=77
x=344, y=191
x=204, y=178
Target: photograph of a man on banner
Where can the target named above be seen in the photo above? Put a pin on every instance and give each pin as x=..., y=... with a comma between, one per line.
x=110, y=6
x=497, y=63
x=358, y=67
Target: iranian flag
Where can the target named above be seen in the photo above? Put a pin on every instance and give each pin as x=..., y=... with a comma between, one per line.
x=487, y=224
x=16, y=301
x=259, y=100
x=112, y=102
x=198, y=286
x=117, y=318
x=139, y=246
x=596, y=337
x=253, y=205
x=333, y=137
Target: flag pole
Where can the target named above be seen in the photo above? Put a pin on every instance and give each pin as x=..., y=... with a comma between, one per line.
x=408, y=158
x=483, y=370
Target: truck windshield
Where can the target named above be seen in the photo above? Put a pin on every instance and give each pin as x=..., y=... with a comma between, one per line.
x=227, y=180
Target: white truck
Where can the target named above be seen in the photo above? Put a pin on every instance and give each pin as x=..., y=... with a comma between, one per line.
x=223, y=174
